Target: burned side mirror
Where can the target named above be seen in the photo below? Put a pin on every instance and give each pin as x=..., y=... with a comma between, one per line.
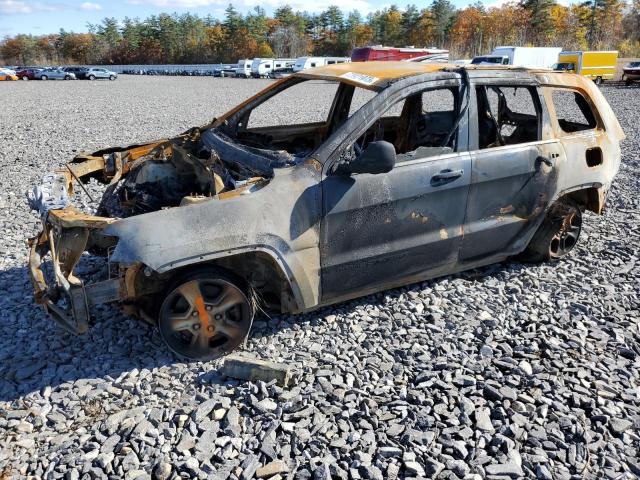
x=378, y=157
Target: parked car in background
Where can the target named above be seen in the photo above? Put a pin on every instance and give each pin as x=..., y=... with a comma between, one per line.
x=225, y=71
x=437, y=56
x=94, y=73
x=596, y=65
x=430, y=171
x=54, y=73
x=27, y=73
x=7, y=74
x=489, y=60
x=631, y=73
x=79, y=72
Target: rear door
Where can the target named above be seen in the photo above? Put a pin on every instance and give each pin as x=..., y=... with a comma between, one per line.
x=514, y=168
x=387, y=229
x=590, y=150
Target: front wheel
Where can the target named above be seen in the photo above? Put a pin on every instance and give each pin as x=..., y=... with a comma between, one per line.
x=112, y=77
x=558, y=234
x=25, y=78
x=43, y=77
x=205, y=315
x=92, y=77
x=627, y=82
x=67, y=77
x=598, y=80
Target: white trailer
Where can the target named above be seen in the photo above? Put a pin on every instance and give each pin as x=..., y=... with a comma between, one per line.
x=334, y=60
x=302, y=63
x=264, y=67
x=244, y=68
x=530, y=57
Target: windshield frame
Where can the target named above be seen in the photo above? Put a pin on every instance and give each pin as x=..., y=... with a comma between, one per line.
x=230, y=123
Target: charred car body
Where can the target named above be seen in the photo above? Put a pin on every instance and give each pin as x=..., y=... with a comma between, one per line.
x=412, y=171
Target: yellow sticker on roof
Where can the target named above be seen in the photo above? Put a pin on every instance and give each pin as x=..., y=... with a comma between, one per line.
x=360, y=78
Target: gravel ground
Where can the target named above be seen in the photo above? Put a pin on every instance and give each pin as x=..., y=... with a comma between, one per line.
x=507, y=371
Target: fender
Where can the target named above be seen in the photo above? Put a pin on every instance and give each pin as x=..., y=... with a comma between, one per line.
x=281, y=219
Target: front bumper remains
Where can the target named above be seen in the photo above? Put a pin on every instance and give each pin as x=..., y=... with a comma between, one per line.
x=67, y=299
x=66, y=234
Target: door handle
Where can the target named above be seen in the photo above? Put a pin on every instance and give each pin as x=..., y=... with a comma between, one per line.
x=547, y=161
x=445, y=176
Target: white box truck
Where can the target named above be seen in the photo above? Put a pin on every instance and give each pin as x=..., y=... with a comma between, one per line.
x=530, y=57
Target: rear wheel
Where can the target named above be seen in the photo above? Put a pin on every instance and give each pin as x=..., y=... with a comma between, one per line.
x=43, y=77
x=25, y=78
x=205, y=315
x=112, y=77
x=92, y=77
x=558, y=234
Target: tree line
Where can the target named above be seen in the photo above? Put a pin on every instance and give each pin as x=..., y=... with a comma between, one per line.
x=188, y=38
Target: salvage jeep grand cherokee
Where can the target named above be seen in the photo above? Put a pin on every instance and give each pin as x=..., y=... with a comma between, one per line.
x=406, y=171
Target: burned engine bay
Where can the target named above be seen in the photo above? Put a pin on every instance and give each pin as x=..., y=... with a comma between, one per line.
x=194, y=166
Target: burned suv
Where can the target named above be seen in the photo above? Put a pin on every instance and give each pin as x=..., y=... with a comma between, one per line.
x=403, y=172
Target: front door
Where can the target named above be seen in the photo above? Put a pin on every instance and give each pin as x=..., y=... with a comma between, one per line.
x=386, y=229
x=514, y=170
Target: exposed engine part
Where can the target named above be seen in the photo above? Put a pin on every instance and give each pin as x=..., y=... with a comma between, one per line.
x=247, y=161
x=51, y=194
x=160, y=179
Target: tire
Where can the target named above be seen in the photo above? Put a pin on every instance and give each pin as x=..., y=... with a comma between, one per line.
x=627, y=82
x=44, y=77
x=205, y=314
x=598, y=80
x=557, y=235
x=67, y=77
x=25, y=78
x=92, y=77
x=112, y=77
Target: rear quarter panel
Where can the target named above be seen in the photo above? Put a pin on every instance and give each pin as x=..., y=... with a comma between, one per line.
x=607, y=136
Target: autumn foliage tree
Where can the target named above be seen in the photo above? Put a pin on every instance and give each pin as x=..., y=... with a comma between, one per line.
x=474, y=30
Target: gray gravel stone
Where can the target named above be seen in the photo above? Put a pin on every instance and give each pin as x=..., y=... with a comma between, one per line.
x=483, y=420
x=509, y=469
x=414, y=469
x=619, y=426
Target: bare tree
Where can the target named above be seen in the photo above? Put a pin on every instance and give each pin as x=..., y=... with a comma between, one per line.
x=289, y=42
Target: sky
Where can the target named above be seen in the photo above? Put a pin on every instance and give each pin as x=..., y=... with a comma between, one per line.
x=39, y=17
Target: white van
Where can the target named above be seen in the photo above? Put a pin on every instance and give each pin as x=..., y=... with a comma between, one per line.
x=244, y=68
x=265, y=67
x=530, y=57
x=302, y=63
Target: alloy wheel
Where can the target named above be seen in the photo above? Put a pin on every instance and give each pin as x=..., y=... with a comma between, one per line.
x=205, y=318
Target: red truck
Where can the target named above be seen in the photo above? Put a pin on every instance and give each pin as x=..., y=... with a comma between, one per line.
x=380, y=53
